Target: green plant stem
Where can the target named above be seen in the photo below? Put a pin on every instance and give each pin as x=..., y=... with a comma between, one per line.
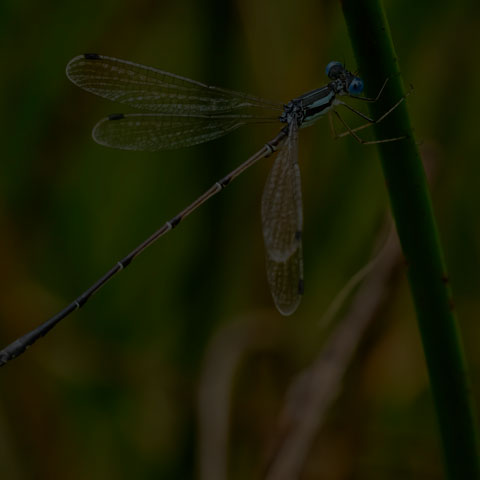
x=412, y=210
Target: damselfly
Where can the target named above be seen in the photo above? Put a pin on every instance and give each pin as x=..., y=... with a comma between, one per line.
x=183, y=112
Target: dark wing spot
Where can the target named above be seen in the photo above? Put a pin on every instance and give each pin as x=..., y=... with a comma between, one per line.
x=300, y=287
x=92, y=56
x=116, y=116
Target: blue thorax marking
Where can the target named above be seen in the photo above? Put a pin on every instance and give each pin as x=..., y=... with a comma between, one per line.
x=317, y=103
x=310, y=106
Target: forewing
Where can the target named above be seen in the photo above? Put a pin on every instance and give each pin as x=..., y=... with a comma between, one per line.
x=154, y=90
x=152, y=132
x=282, y=222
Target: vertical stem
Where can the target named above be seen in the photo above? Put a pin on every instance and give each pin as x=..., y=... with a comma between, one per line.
x=412, y=210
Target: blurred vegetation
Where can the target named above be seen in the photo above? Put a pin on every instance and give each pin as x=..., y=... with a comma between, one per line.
x=112, y=393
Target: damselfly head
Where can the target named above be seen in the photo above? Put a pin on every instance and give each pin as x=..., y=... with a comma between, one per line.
x=350, y=82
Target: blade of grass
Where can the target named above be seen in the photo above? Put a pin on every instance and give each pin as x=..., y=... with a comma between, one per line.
x=412, y=210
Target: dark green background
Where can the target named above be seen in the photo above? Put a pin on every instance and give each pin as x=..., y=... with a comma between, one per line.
x=112, y=392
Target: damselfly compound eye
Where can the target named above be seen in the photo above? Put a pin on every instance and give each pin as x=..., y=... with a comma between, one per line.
x=356, y=86
x=334, y=69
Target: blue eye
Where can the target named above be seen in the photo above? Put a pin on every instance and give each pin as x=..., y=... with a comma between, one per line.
x=333, y=69
x=356, y=86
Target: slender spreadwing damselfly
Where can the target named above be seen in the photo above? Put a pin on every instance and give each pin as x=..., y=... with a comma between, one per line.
x=183, y=112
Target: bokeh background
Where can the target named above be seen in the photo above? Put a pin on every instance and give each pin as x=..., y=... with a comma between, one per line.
x=113, y=391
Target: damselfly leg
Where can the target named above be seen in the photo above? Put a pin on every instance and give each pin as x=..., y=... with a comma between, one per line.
x=370, y=121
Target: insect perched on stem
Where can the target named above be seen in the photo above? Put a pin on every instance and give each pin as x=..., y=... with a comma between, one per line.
x=183, y=112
